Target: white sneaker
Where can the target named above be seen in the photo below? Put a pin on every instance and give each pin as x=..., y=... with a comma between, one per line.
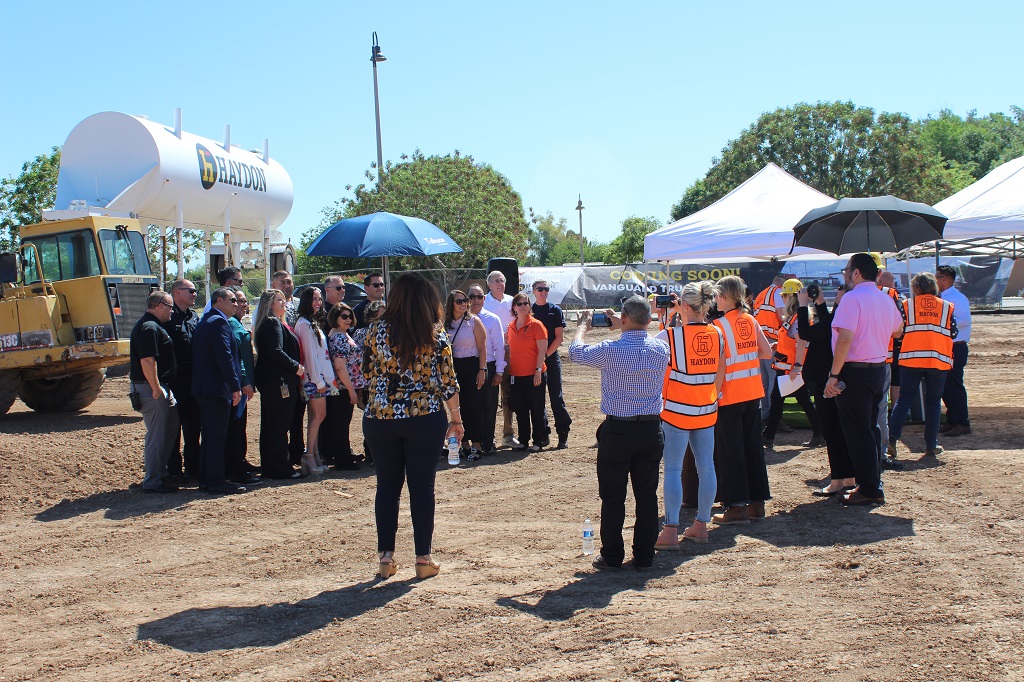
x=510, y=441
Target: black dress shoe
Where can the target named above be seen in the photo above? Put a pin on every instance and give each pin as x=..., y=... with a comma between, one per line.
x=351, y=465
x=245, y=479
x=855, y=499
x=891, y=464
x=163, y=488
x=601, y=564
x=563, y=443
x=226, y=489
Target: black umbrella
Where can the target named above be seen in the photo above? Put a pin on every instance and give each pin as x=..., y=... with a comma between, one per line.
x=868, y=224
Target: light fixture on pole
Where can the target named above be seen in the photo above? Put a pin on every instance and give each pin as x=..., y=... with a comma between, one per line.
x=579, y=207
x=376, y=56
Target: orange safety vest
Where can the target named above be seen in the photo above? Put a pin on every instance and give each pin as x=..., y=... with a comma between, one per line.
x=767, y=316
x=742, y=369
x=786, y=347
x=894, y=294
x=691, y=401
x=928, y=336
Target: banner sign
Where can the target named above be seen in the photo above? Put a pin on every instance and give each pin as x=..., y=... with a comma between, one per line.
x=981, y=278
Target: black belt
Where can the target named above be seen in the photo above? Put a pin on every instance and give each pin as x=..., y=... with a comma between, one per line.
x=637, y=418
x=863, y=365
x=956, y=342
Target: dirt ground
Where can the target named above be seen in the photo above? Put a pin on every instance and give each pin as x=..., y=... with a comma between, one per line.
x=99, y=582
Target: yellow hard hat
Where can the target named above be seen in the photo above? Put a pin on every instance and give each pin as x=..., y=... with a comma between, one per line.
x=792, y=286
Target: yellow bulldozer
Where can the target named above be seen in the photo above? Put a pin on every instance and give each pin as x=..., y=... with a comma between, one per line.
x=69, y=298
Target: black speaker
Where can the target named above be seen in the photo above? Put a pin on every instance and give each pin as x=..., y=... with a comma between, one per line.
x=508, y=267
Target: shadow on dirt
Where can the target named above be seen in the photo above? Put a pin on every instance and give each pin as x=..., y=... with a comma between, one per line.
x=63, y=422
x=817, y=524
x=238, y=627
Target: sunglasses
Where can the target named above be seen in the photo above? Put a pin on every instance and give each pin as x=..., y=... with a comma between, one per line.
x=379, y=285
x=191, y=291
x=521, y=303
x=542, y=288
x=461, y=301
x=169, y=305
x=476, y=297
x=345, y=316
x=337, y=288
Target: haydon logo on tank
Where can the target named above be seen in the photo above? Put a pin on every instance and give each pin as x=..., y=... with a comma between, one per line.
x=214, y=168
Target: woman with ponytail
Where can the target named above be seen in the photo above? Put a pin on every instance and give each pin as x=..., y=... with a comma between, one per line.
x=693, y=380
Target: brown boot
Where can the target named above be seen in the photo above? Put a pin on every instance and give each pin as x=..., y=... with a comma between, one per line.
x=732, y=515
x=755, y=511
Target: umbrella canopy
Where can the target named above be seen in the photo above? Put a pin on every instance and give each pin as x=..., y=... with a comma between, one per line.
x=380, y=235
x=868, y=224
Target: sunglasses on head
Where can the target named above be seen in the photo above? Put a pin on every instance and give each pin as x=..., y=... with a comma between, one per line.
x=461, y=301
x=542, y=288
x=477, y=297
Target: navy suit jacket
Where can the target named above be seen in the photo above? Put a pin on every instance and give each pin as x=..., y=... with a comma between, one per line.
x=216, y=368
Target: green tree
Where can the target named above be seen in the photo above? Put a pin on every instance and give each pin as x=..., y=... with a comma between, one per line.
x=568, y=251
x=836, y=147
x=694, y=199
x=194, y=241
x=470, y=201
x=970, y=148
x=545, y=234
x=628, y=247
x=24, y=198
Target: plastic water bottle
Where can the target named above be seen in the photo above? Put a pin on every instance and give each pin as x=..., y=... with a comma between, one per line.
x=588, y=537
x=453, y=451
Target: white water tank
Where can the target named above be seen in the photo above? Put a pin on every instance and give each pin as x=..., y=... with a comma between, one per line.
x=127, y=164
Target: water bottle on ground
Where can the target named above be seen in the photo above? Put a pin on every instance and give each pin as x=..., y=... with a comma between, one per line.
x=453, y=451
x=588, y=538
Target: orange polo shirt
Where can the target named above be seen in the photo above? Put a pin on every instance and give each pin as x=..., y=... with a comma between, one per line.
x=522, y=347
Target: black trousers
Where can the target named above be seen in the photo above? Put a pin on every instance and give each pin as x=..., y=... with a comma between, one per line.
x=236, y=447
x=858, y=414
x=527, y=403
x=185, y=455
x=739, y=455
x=467, y=371
x=778, y=402
x=215, y=414
x=629, y=452
x=275, y=421
x=489, y=400
x=556, y=396
x=337, y=423
x=839, y=463
x=296, y=440
x=405, y=451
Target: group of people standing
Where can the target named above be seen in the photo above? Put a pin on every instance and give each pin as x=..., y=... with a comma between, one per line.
x=696, y=387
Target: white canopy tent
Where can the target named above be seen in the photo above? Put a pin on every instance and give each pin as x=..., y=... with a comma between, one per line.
x=753, y=221
x=985, y=217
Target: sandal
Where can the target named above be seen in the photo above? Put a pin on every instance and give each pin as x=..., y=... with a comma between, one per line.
x=427, y=569
x=388, y=567
x=669, y=538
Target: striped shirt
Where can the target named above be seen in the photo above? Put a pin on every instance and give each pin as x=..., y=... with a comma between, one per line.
x=632, y=371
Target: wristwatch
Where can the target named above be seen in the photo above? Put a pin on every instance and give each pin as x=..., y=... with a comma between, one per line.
x=833, y=376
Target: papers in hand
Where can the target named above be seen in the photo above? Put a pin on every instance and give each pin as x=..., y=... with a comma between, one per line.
x=789, y=385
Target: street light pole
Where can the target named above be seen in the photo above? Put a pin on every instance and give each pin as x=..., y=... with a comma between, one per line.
x=579, y=207
x=376, y=56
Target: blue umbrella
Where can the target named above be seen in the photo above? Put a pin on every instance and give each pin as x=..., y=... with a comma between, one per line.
x=382, y=235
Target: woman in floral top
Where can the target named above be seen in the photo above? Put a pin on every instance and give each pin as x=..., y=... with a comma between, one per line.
x=346, y=358
x=410, y=378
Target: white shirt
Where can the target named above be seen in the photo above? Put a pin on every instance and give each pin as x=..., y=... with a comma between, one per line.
x=495, y=339
x=961, y=312
x=502, y=308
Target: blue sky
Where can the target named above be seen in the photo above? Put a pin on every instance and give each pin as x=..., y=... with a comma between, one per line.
x=626, y=105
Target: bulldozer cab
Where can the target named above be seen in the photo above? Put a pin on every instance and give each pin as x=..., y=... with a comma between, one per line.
x=68, y=311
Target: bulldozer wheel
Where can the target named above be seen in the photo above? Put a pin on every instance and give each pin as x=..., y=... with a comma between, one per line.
x=10, y=382
x=67, y=394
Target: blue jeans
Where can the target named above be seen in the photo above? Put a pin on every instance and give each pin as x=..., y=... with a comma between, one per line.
x=955, y=395
x=910, y=384
x=702, y=442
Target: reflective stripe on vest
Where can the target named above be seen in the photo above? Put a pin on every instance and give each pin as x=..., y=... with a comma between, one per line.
x=742, y=371
x=691, y=401
x=928, y=335
x=765, y=314
x=786, y=346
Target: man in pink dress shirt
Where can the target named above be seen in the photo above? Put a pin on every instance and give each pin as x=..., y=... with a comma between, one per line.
x=861, y=328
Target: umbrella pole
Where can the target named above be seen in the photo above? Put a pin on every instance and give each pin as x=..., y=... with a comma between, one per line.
x=387, y=273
